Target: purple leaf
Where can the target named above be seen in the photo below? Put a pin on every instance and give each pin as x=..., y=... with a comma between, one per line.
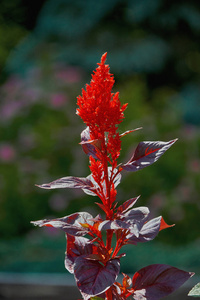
x=146, y=154
x=117, y=178
x=133, y=220
x=156, y=281
x=115, y=224
x=147, y=233
x=87, y=143
x=94, y=278
x=126, y=205
x=70, y=224
x=116, y=181
x=77, y=246
x=136, y=215
x=69, y=182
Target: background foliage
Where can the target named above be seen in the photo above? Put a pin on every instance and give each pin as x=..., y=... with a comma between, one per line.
x=154, y=54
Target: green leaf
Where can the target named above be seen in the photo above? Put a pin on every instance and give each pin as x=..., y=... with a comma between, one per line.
x=195, y=291
x=96, y=298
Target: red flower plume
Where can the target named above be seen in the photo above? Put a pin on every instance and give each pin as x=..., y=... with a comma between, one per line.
x=99, y=108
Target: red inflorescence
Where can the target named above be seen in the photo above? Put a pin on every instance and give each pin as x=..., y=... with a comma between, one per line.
x=99, y=108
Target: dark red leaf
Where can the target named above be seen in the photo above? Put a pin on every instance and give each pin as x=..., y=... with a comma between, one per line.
x=117, y=177
x=156, y=281
x=92, y=277
x=146, y=154
x=116, y=181
x=71, y=224
x=114, y=225
x=133, y=220
x=147, y=233
x=136, y=215
x=69, y=182
x=126, y=205
x=116, y=293
x=77, y=246
x=88, y=145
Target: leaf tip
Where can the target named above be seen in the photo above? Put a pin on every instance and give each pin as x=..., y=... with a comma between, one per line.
x=174, y=141
x=43, y=186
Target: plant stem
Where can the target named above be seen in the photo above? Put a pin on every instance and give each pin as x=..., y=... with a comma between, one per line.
x=109, y=294
x=109, y=239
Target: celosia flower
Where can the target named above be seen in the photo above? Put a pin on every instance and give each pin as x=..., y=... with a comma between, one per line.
x=93, y=261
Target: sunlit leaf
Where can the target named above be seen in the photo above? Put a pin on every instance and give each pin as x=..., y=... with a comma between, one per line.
x=147, y=233
x=195, y=291
x=146, y=154
x=133, y=220
x=69, y=182
x=116, y=181
x=136, y=215
x=126, y=205
x=70, y=224
x=114, y=225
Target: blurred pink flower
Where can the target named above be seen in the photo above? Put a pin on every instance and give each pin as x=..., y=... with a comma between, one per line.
x=51, y=232
x=12, y=85
x=69, y=74
x=32, y=95
x=26, y=139
x=58, y=100
x=7, y=152
x=194, y=165
x=57, y=202
x=10, y=110
x=190, y=132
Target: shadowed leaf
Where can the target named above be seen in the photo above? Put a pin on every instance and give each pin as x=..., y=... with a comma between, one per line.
x=77, y=246
x=88, y=145
x=156, y=281
x=92, y=277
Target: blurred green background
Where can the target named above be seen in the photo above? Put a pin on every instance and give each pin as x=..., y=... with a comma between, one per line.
x=48, y=50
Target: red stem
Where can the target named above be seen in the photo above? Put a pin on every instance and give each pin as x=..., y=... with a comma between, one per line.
x=106, y=178
x=117, y=248
x=109, y=239
x=109, y=294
